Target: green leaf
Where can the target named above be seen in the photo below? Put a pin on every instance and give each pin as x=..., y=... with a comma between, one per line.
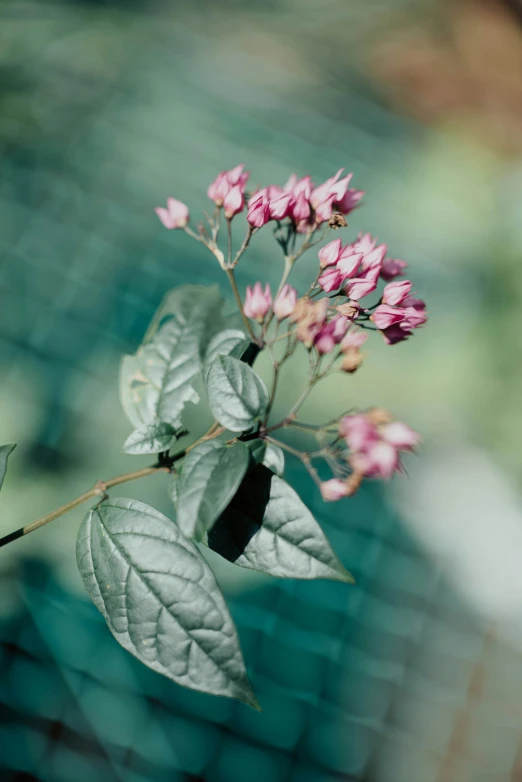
x=150, y=438
x=267, y=527
x=157, y=382
x=230, y=342
x=236, y=394
x=257, y=450
x=210, y=476
x=5, y=451
x=274, y=459
x=160, y=599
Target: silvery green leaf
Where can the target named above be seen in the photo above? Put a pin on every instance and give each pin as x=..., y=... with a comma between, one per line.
x=157, y=382
x=151, y=438
x=236, y=394
x=160, y=599
x=257, y=450
x=274, y=459
x=267, y=527
x=210, y=476
x=5, y=451
x=230, y=342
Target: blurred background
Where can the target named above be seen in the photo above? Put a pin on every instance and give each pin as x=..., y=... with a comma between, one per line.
x=109, y=106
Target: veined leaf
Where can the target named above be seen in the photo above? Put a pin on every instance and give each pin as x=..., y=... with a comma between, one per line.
x=160, y=599
x=210, y=476
x=274, y=459
x=230, y=342
x=157, y=382
x=150, y=438
x=267, y=527
x=237, y=396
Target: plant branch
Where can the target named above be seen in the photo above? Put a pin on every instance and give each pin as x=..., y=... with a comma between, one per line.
x=233, y=285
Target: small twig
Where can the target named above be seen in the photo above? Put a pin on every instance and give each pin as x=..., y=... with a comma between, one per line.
x=233, y=285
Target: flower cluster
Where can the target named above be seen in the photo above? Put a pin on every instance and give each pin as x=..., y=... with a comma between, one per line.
x=333, y=317
x=306, y=206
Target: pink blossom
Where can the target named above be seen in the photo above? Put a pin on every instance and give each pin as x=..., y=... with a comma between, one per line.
x=366, y=283
x=395, y=292
x=257, y=302
x=349, y=201
x=400, y=435
x=324, y=211
x=365, y=244
x=340, y=323
x=413, y=317
x=386, y=316
x=331, y=279
x=285, y=302
x=379, y=461
x=396, y=333
x=259, y=212
x=224, y=182
x=333, y=490
x=324, y=191
x=349, y=262
x=176, y=215
x=234, y=202
x=374, y=258
x=358, y=431
x=303, y=187
x=291, y=183
x=392, y=268
x=281, y=205
x=411, y=301
x=301, y=208
x=329, y=254
x=354, y=339
x=325, y=340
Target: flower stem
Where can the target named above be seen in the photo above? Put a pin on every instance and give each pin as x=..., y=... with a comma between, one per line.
x=233, y=285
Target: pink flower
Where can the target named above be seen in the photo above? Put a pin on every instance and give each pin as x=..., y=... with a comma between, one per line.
x=396, y=333
x=340, y=323
x=349, y=201
x=413, y=317
x=354, y=339
x=361, y=286
x=400, y=436
x=331, y=279
x=411, y=301
x=375, y=443
x=329, y=254
x=333, y=490
x=349, y=262
x=392, y=268
x=285, y=302
x=365, y=244
x=325, y=340
x=301, y=208
x=176, y=215
x=224, y=182
x=395, y=292
x=324, y=211
x=386, y=316
x=234, y=202
x=333, y=189
x=257, y=302
x=374, y=258
x=380, y=461
x=259, y=212
x=302, y=187
x=281, y=206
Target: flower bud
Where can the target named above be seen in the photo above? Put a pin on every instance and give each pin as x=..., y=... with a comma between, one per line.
x=285, y=302
x=259, y=212
x=386, y=316
x=352, y=360
x=281, y=206
x=176, y=215
x=395, y=292
x=301, y=209
x=392, y=268
x=257, y=302
x=337, y=220
x=234, y=202
x=333, y=490
x=329, y=254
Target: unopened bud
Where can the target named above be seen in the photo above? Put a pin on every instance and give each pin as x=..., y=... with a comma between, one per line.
x=352, y=360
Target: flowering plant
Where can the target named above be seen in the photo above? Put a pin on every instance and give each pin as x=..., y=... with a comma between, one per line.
x=143, y=571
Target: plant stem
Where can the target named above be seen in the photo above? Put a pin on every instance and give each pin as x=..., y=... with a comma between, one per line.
x=229, y=240
x=97, y=491
x=304, y=457
x=233, y=285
